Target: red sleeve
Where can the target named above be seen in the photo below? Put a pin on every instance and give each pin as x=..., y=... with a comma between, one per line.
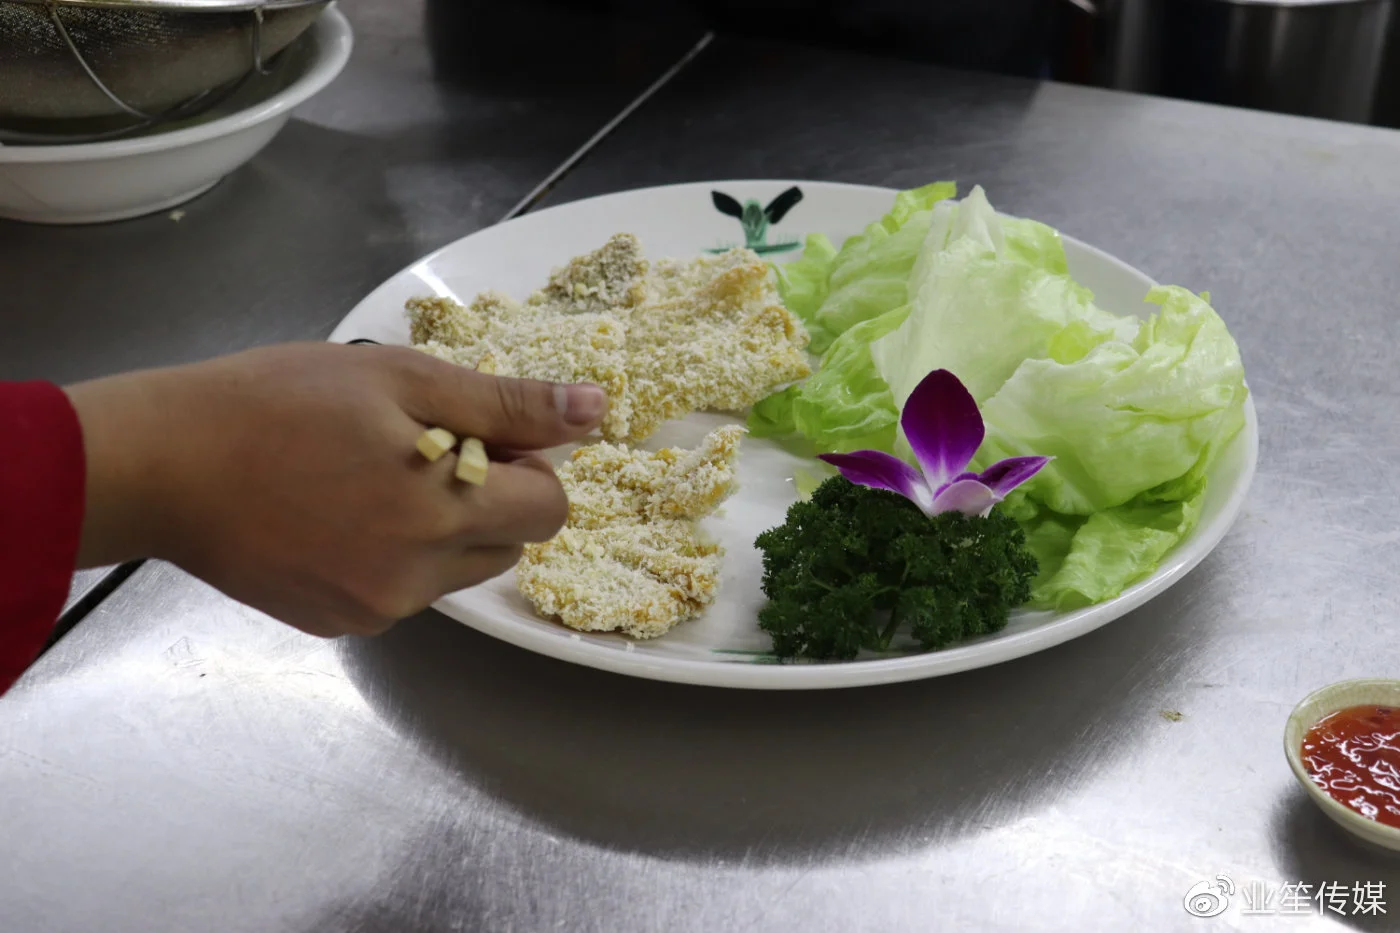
x=42, y=487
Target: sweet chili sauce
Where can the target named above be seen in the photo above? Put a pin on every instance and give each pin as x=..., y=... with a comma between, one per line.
x=1354, y=755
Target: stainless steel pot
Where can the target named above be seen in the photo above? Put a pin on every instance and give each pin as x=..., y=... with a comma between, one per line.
x=1321, y=58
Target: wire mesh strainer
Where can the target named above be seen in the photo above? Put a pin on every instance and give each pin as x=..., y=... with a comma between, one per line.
x=76, y=70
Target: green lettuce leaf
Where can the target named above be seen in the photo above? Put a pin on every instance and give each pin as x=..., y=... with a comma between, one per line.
x=831, y=291
x=979, y=309
x=1088, y=559
x=844, y=405
x=1125, y=417
x=802, y=284
x=1013, y=239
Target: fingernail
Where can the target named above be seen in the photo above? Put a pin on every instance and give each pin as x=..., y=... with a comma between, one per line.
x=581, y=404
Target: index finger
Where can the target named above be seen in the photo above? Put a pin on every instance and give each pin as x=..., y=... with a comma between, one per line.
x=526, y=414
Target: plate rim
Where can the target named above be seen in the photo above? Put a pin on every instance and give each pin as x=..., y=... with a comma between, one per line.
x=575, y=647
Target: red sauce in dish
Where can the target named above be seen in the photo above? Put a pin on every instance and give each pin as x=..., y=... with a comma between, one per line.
x=1354, y=755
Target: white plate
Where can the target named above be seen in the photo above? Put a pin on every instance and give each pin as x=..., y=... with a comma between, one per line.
x=98, y=182
x=725, y=646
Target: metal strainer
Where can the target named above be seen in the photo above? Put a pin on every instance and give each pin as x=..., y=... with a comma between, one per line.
x=73, y=70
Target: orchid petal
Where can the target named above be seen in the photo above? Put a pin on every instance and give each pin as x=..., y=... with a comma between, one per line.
x=1005, y=475
x=966, y=474
x=967, y=496
x=879, y=470
x=943, y=426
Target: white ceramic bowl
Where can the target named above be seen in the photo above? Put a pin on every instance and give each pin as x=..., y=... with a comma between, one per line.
x=117, y=179
x=1321, y=703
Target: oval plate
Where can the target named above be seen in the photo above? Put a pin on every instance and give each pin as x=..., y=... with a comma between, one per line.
x=725, y=647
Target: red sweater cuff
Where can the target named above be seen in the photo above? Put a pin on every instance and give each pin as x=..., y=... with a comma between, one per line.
x=42, y=491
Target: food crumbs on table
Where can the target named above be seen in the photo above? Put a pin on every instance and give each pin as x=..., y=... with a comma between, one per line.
x=177, y=216
x=1354, y=755
x=1171, y=715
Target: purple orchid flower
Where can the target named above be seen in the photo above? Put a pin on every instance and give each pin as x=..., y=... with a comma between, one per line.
x=944, y=429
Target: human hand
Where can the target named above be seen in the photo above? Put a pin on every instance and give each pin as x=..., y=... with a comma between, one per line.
x=288, y=477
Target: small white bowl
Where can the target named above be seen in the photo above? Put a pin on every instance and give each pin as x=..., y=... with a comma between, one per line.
x=1305, y=715
x=114, y=180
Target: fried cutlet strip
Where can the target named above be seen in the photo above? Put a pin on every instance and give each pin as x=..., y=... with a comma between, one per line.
x=608, y=483
x=440, y=320
x=719, y=339
x=499, y=335
x=632, y=558
x=609, y=280
x=448, y=322
x=669, y=279
x=702, y=334
x=641, y=579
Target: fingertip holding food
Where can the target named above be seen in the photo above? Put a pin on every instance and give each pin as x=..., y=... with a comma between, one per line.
x=472, y=462
x=435, y=442
x=580, y=404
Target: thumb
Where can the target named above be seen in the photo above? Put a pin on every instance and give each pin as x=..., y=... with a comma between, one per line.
x=524, y=414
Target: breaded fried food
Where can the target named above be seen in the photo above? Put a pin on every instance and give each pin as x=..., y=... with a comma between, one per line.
x=701, y=334
x=610, y=483
x=631, y=558
x=609, y=280
x=717, y=338
x=499, y=335
x=638, y=579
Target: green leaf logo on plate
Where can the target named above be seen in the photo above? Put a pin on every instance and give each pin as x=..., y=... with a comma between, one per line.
x=756, y=219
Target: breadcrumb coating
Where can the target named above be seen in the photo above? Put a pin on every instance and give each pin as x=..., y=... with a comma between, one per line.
x=515, y=340
x=631, y=557
x=662, y=339
x=612, y=278
x=723, y=342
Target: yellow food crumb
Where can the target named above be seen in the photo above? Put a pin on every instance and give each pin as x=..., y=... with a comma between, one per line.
x=435, y=442
x=472, y=462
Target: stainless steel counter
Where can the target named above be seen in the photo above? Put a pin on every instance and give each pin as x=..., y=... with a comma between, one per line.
x=179, y=762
